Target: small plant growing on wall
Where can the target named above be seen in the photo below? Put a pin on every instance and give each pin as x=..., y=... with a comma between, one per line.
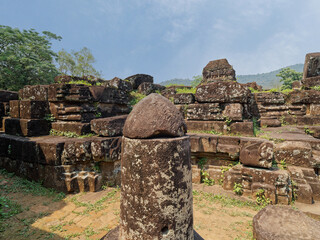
x=205, y=178
x=262, y=199
x=238, y=188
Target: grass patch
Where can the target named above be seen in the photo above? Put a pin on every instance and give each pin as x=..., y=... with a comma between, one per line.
x=54, y=132
x=83, y=82
x=98, y=205
x=186, y=90
x=225, y=201
x=20, y=185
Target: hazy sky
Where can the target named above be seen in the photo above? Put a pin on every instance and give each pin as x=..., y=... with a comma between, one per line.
x=175, y=39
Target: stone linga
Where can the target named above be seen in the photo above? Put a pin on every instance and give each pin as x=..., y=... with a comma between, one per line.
x=154, y=116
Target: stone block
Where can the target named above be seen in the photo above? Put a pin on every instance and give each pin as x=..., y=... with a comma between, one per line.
x=296, y=85
x=75, y=127
x=304, y=97
x=34, y=92
x=203, y=143
x=269, y=191
x=138, y=79
x=183, y=98
x=253, y=85
x=256, y=153
x=315, y=109
x=215, y=173
x=7, y=96
x=106, y=149
x=242, y=128
x=196, y=174
x=230, y=146
x=26, y=127
x=311, y=82
x=204, y=111
x=108, y=127
x=218, y=70
x=266, y=98
x=50, y=149
x=222, y=92
x=30, y=109
x=69, y=92
x=294, y=153
x=15, y=108
x=311, y=65
x=233, y=111
x=217, y=126
x=120, y=84
x=270, y=122
x=110, y=110
x=306, y=184
x=231, y=177
x=83, y=112
x=109, y=95
x=147, y=88
x=76, y=151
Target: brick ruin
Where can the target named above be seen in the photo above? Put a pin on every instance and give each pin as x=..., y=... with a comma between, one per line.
x=221, y=118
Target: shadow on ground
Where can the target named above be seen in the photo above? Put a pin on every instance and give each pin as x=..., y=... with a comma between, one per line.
x=30, y=211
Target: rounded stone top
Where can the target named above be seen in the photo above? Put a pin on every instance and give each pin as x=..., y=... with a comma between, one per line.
x=282, y=223
x=154, y=116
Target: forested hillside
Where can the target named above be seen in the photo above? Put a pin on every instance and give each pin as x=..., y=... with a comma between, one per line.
x=267, y=80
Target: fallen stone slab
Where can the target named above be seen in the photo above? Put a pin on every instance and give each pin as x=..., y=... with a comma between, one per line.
x=283, y=223
x=256, y=153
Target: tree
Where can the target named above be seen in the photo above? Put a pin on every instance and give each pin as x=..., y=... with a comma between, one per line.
x=196, y=80
x=288, y=76
x=26, y=58
x=77, y=63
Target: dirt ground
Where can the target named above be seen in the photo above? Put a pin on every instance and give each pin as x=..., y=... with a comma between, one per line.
x=29, y=211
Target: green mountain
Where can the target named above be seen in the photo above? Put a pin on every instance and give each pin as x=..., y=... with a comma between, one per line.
x=177, y=81
x=266, y=80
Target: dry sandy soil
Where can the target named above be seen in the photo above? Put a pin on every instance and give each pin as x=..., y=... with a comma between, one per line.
x=29, y=211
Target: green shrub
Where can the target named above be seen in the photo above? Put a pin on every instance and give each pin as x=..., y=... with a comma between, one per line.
x=261, y=198
x=238, y=188
x=136, y=97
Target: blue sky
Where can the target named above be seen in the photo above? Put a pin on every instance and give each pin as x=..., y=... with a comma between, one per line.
x=175, y=39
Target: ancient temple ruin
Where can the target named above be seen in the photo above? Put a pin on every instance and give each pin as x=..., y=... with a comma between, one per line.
x=68, y=134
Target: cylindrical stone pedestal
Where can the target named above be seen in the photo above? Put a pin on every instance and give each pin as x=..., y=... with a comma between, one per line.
x=156, y=189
